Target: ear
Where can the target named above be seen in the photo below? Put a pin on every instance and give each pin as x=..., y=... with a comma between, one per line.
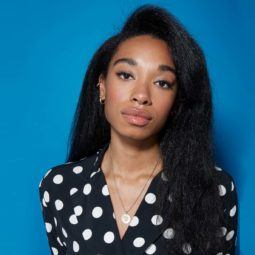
x=102, y=84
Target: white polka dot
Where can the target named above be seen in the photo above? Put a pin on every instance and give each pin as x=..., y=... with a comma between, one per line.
x=72, y=191
x=222, y=190
x=59, y=241
x=232, y=186
x=113, y=215
x=58, y=179
x=55, y=221
x=222, y=231
x=105, y=190
x=164, y=177
x=73, y=219
x=87, y=189
x=186, y=248
x=150, y=198
x=219, y=253
x=151, y=249
x=109, y=237
x=170, y=198
x=64, y=232
x=229, y=235
x=233, y=211
x=64, y=244
x=169, y=233
x=48, y=227
x=138, y=242
x=77, y=169
x=46, y=196
x=218, y=168
x=43, y=202
x=87, y=233
x=93, y=173
x=59, y=204
x=156, y=219
x=97, y=212
x=76, y=246
x=54, y=250
x=134, y=221
x=78, y=210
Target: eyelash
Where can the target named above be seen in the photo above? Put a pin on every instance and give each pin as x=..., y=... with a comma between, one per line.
x=166, y=82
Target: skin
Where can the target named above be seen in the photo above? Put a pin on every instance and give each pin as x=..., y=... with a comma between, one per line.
x=133, y=150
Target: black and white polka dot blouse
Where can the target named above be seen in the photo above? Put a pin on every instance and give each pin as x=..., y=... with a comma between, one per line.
x=79, y=216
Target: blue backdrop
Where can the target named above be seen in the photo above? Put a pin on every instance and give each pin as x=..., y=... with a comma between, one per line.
x=45, y=47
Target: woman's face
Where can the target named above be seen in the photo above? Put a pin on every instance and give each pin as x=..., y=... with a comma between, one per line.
x=141, y=75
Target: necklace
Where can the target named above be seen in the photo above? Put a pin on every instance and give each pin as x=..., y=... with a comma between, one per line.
x=126, y=217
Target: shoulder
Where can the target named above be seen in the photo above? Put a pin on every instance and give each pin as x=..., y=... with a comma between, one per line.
x=228, y=193
x=225, y=181
x=62, y=178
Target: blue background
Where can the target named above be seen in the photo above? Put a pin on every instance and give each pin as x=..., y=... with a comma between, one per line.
x=45, y=47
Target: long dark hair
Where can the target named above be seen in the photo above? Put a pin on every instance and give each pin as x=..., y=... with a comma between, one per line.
x=196, y=211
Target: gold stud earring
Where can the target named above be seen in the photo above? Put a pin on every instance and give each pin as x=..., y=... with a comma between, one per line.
x=101, y=99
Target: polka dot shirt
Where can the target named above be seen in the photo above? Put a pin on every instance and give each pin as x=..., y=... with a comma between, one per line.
x=79, y=216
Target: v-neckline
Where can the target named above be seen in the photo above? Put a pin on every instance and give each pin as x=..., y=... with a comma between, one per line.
x=109, y=198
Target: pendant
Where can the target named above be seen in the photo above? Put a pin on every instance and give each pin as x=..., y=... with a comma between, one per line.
x=125, y=218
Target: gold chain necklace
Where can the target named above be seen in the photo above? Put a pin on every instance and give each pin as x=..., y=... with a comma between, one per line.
x=125, y=217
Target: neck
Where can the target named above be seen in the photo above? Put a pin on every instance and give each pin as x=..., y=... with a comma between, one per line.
x=130, y=161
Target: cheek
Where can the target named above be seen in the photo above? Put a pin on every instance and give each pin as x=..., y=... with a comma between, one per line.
x=114, y=94
x=164, y=108
x=114, y=98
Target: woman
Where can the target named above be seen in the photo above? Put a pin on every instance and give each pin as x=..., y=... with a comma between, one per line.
x=141, y=177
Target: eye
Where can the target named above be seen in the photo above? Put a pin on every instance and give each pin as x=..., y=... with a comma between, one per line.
x=123, y=74
x=165, y=84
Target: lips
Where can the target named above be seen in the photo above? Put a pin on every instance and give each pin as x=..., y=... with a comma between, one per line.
x=137, y=112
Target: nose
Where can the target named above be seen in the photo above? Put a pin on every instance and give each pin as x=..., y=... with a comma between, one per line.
x=141, y=95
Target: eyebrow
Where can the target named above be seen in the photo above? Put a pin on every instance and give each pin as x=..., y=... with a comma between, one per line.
x=131, y=61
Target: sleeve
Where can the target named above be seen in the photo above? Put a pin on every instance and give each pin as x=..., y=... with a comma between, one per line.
x=231, y=209
x=55, y=244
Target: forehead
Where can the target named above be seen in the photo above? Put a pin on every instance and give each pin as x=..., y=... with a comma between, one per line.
x=146, y=48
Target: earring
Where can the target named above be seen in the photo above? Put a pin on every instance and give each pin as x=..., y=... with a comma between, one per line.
x=101, y=99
